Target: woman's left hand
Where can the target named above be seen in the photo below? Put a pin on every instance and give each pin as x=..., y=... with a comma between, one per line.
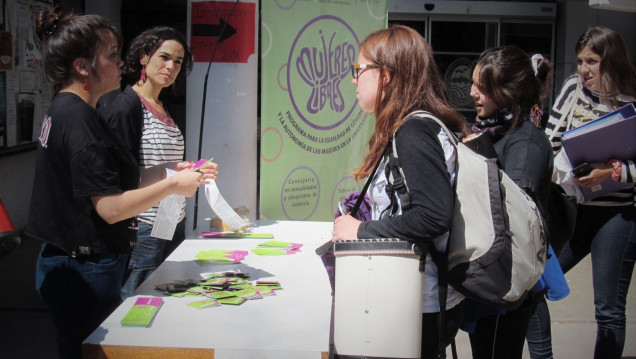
x=210, y=170
x=345, y=227
x=600, y=172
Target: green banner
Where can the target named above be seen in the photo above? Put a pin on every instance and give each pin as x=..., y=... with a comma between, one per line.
x=313, y=133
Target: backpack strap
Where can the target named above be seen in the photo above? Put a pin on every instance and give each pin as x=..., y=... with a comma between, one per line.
x=397, y=182
x=425, y=114
x=396, y=185
x=356, y=207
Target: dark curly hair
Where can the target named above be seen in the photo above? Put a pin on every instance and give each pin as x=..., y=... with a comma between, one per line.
x=147, y=43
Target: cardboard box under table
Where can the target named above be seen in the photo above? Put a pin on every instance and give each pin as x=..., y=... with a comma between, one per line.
x=292, y=324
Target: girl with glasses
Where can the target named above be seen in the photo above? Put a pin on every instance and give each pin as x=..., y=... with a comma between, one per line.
x=396, y=75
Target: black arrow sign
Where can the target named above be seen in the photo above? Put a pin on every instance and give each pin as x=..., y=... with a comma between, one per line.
x=214, y=30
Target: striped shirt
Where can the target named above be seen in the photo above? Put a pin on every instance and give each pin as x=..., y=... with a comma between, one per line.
x=586, y=106
x=160, y=143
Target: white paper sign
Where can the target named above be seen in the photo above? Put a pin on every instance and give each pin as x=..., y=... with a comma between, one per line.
x=168, y=214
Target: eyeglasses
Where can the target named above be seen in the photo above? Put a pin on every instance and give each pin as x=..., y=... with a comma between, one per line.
x=358, y=69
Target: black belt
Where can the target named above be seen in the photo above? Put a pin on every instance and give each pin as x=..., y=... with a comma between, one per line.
x=51, y=250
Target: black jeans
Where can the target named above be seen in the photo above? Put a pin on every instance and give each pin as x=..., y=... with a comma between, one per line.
x=430, y=330
x=502, y=336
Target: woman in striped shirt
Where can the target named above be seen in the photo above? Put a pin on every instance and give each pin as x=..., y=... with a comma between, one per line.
x=606, y=226
x=139, y=116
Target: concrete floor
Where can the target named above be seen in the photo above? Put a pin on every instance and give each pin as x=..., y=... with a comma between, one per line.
x=26, y=329
x=573, y=324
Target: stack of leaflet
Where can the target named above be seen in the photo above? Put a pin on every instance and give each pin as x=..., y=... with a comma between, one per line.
x=142, y=312
x=612, y=136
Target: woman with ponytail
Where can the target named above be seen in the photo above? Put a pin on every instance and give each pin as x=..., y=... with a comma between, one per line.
x=508, y=89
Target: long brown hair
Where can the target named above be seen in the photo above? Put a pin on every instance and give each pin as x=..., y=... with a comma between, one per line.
x=618, y=72
x=415, y=84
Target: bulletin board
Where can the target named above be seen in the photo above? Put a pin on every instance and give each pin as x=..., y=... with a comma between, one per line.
x=25, y=92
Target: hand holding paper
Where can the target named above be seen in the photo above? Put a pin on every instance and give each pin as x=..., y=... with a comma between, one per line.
x=186, y=182
x=208, y=168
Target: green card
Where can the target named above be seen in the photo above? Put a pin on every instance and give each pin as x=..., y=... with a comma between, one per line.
x=204, y=303
x=232, y=300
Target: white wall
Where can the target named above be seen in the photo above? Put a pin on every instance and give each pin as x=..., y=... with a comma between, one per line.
x=230, y=130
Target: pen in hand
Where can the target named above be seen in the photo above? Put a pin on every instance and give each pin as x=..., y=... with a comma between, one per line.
x=342, y=208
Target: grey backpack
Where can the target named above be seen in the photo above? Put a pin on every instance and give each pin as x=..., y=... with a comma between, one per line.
x=497, y=244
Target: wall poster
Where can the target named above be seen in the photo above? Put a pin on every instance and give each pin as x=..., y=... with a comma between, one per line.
x=313, y=132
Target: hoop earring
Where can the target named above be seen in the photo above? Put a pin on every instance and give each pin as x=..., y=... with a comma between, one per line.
x=86, y=87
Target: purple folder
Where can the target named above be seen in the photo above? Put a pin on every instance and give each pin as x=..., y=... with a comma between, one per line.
x=610, y=136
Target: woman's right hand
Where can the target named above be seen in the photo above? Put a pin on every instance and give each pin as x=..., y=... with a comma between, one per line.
x=345, y=227
x=600, y=172
x=186, y=182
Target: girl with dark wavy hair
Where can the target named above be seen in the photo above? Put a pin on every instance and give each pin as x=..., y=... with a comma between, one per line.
x=140, y=116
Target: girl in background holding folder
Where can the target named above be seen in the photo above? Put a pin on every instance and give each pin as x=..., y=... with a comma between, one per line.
x=85, y=191
x=396, y=75
x=139, y=116
x=606, y=226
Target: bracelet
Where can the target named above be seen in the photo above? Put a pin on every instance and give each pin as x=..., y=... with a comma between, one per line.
x=617, y=169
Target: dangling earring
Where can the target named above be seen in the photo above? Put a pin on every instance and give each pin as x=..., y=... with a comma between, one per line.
x=535, y=115
x=142, y=79
x=86, y=87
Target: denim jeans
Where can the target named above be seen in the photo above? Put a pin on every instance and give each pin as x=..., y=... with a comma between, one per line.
x=81, y=293
x=609, y=234
x=148, y=254
x=539, y=335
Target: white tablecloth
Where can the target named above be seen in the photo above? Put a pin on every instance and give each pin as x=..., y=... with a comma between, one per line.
x=292, y=324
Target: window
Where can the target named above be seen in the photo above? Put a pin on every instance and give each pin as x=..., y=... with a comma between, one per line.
x=458, y=31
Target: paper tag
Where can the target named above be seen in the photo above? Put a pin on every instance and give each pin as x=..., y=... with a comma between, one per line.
x=168, y=214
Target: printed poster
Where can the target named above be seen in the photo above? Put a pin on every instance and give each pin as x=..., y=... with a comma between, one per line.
x=313, y=133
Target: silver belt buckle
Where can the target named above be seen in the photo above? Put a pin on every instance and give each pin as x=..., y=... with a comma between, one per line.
x=81, y=251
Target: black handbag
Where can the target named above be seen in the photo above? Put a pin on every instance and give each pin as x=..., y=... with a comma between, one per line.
x=560, y=217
